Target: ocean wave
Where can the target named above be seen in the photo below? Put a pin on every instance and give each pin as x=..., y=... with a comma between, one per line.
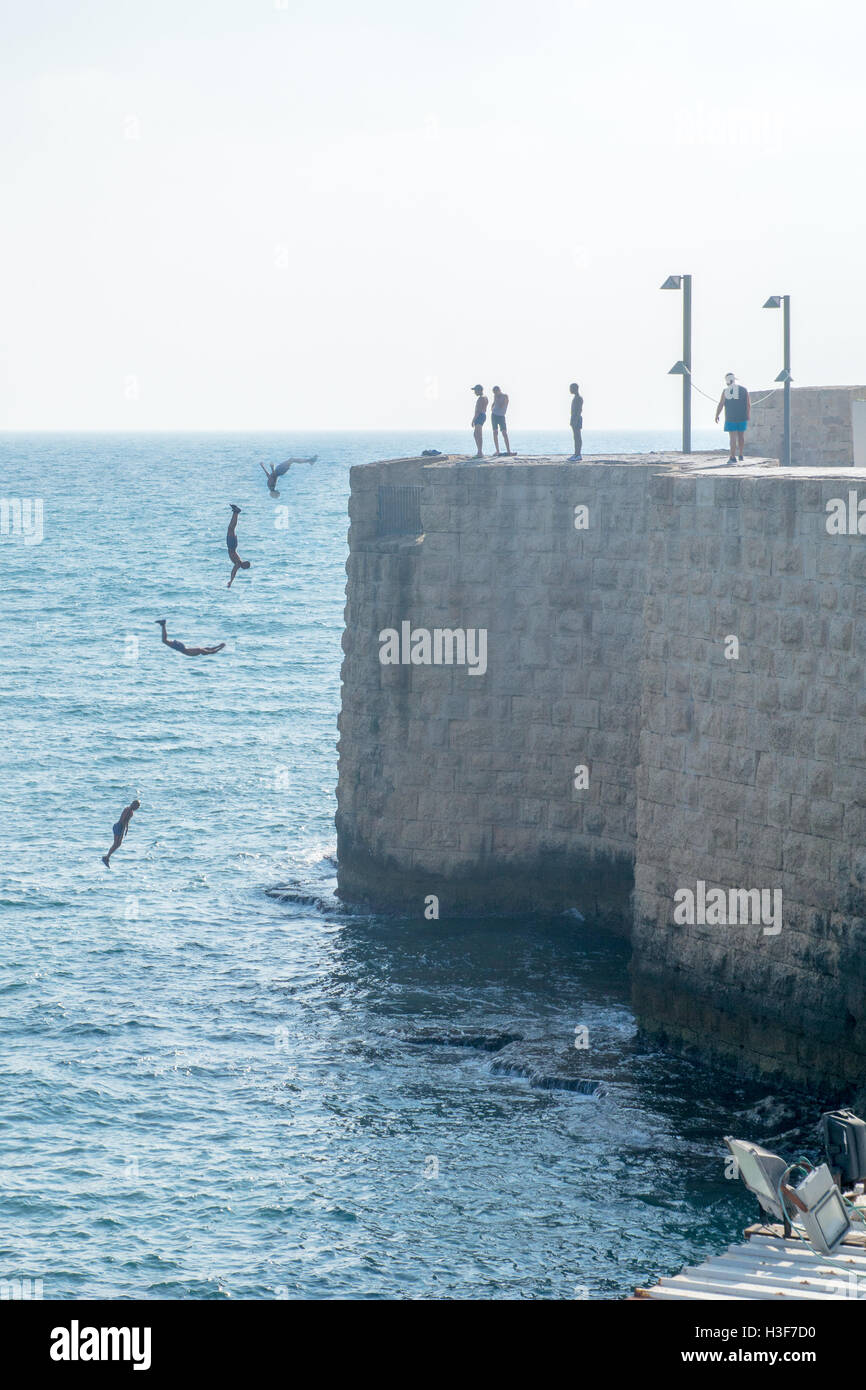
x=298, y=895
x=548, y=1081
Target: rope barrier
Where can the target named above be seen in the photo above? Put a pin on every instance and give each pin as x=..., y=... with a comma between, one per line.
x=756, y=400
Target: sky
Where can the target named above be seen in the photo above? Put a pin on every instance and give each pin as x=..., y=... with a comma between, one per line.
x=275, y=215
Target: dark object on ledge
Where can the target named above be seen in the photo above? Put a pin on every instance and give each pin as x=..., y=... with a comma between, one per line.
x=844, y=1138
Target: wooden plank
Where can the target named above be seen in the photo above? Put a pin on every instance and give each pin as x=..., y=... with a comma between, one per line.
x=770, y=1265
x=843, y=1256
x=745, y=1290
x=756, y=1255
x=856, y=1252
x=788, y=1273
x=776, y=1230
x=784, y=1274
x=659, y=1293
x=799, y=1278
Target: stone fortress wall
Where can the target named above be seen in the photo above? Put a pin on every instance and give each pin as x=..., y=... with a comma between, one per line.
x=752, y=769
x=619, y=747
x=463, y=785
x=828, y=425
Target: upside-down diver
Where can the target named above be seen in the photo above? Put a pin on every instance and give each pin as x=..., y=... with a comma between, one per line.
x=272, y=474
x=232, y=544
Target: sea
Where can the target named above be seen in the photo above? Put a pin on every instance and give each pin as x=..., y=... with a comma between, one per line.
x=217, y=1082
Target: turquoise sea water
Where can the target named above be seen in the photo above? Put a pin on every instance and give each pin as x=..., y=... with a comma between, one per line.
x=206, y=1085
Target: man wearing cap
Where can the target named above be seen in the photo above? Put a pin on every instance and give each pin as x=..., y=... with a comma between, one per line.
x=479, y=418
x=738, y=412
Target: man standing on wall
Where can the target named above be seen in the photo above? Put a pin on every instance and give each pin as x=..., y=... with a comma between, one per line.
x=576, y=422
x=497, y=419
x=738, y=412
x=479, y=418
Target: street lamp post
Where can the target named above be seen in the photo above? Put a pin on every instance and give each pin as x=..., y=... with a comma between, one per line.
x=683, y=368
x=783, y=302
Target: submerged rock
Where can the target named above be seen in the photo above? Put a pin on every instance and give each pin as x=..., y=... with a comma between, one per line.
x=485, y=1041
x=771, y=1116
x=303, y=895
x=548, y=1081
x=548, y=1065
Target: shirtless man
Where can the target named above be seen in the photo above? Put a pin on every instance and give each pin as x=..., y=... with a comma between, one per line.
x=272, y=474
x=497, y=420
x=232, y=544
x=576, y=422
x=479, y=418
x=120, y=828
x=187, y=651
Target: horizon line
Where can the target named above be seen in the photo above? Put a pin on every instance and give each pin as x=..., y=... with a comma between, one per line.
x=342, y=429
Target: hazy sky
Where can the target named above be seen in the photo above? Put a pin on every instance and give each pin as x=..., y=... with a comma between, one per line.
x=249, y=214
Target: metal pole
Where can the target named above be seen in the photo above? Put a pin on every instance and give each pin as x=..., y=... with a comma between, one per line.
x=786, y=444
x=687, y=359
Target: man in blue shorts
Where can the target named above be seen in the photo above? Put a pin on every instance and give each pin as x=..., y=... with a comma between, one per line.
x=119, y=830
x=738, y=412
x=479, y=418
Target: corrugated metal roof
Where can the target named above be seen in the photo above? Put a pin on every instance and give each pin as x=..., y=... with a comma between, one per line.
x=769, y=1265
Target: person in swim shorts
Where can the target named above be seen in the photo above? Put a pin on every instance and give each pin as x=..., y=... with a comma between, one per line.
x=272, y=474
x=738, y=412
x=497, y=419
x=232, y=544
x=119, y=829
x=479, y=418
x=180, y=647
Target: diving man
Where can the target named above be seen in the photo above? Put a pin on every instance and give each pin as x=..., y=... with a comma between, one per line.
x=120, y=828
x=232, y=544
x=181, y=647
x=272, y=474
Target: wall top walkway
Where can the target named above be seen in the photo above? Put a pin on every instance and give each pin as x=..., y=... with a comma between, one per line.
x=668, y=460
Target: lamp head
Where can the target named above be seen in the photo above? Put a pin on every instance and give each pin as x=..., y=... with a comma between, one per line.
x=761, y=1172
x=774, y=302
x=679, y=369
x=673, y=282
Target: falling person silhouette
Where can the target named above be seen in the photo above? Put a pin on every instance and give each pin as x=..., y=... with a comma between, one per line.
x=181, y=647
x=119, y=830
x=273, y=474
x=232, y=544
